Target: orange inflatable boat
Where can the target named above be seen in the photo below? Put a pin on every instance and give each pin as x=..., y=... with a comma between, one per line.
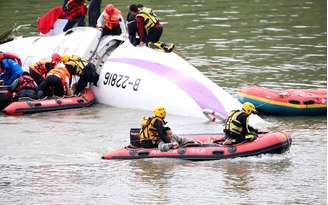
x=50, y=104
x=286, y=102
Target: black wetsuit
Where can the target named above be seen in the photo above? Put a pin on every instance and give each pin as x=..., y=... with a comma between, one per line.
x=116, y=30
x=94, y=12
x=89, y=75
x=52, y=85
x=132, y=29
x=154, y=34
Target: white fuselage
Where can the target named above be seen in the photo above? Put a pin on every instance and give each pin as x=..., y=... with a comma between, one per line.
x=134, y=77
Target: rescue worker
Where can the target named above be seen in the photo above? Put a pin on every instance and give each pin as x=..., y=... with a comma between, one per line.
x=39, y=70
x=236, y=126
x=150, y=29
x=175, y=141
x=13, y=56
x=75, y=11
x=57, y=83
x=10, y=68
x=152, y=129
x=24, y=86
x=111, y=21
x=132, y=24
x=87, y=72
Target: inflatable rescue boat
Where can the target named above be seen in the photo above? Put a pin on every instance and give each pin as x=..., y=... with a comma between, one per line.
x=51, y=104
x=286, y=102
x=134, y=77
x=274, y=143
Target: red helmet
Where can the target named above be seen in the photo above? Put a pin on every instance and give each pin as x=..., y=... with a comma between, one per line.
x=109, y=9
x=56, y=58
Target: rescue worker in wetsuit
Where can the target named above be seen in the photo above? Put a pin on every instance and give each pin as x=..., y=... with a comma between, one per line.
x=150, y=29
x=57, y=83
x=152, y=129
x=75, y=11
x=132, y=24
x=236, y=126
x=111, y=21
x=10, y=68
x=87, y=72
x=39, y=70
x=24, y=86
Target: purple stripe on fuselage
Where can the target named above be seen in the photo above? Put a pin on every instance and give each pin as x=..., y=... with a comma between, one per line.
x=202, y=95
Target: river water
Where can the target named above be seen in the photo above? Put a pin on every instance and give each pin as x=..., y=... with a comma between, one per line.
x=54, y=158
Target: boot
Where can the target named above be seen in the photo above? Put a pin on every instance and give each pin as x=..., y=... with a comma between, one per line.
x=168, y=47
x=157, y=45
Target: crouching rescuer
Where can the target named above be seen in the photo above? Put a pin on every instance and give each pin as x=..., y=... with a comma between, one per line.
x=236, y=126
x=86, y=72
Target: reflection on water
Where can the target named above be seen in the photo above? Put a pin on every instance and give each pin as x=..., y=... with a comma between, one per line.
x=153, y=171
x=237, y=177
x=54, y=158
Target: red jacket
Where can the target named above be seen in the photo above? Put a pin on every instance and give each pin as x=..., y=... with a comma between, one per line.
x=74, y=9
x=47, y=21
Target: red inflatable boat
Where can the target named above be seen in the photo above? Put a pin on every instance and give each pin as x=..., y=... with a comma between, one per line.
x=207, y=150
x=286, y=102
x=50, y=104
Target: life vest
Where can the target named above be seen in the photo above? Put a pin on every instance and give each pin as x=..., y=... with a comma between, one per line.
x=75, y=8
x=233, y=125
x=112, y=20
x=78, y=62
x=148, y=131
x=26, y=82
x=63, y=74
x=150, y=19
x=41, y=67
x=4, y=55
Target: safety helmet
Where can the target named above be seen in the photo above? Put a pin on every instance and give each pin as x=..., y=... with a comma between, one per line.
x=109, y=9
x=65, y=58
x=56, y=58
x=160, y=112
x=249, y=108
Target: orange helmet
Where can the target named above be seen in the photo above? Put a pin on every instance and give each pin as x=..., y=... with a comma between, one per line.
x=56, y=58
x=109, y=9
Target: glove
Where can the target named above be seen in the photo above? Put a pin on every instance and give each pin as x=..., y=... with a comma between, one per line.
x=250, y=137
